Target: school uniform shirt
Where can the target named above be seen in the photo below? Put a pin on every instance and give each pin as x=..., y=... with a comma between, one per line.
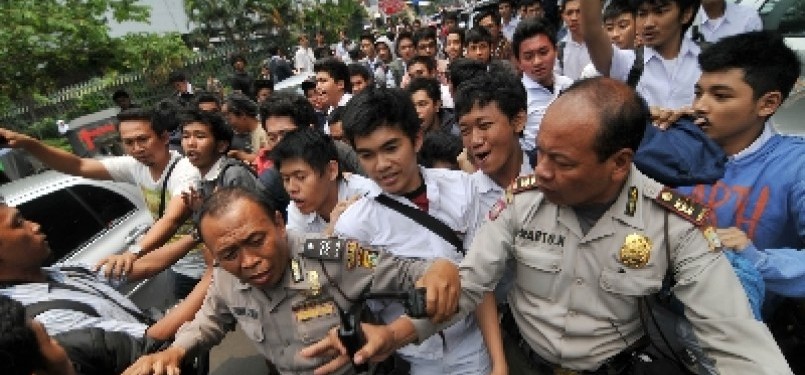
x=452, y=198
x=489, y=191
x=737, y=19
x=348, y=187
x=183, y=176
x=664, y=83
x=97, y=293
x=507, y=29
x=574, y=58
x=538, y=99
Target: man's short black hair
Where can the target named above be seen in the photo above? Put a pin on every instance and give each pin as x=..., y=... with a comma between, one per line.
x=260, y=84
x=367, y=36
x=683, y=5
x=375, y=108
x=424, y=34
x=207, y=97
x=478, y=34
x=222, y=199
x=156, y=118
x=490, y=13
x=237, y=57
x=220, y=130
x=120, y=94
x=356, y=69
x=431, y=87
x=767, y=62
x=439, y=146
x=19, y=350
x=502, y=88
x=291, y=105
x=308, y=144
x=402, y=35
x=336, y=69
x=308, y=85
x=428, y=61
x=177, y=76
x=241, y=105
x=463, y=69
x=623, y=114
x=450, y=16
x=529, y=28
x=616, y=8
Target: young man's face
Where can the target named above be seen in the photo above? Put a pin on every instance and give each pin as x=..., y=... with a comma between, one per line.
x=307, y=187
x=489, y=23
x=200, y=146
x=406, y=49
x=328, y=87
x=319, y=38
x=536, y=59
x=383, y=52
x=571, y=15
x=389, y=158
x=247, y=243
x=368, y=49
x=140, y=141
x=426, y=109
x=239, y=65
x=263, y=95
x=621, y=30
x=277, y=127
x=420, y=70
x=531, y=11
x=505, y=10
x=492, y=138
x=733, y=116
x=209, y=107
x=240, y=123
x=359, y=83
x=180, y=86
x=479, y=51
x=303, y=41
x=449, y=23
x=426, y=47
x=660, y=24
x=23, y=245
x=336, y=131
x=452, y=46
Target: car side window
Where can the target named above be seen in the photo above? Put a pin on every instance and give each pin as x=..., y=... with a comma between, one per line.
x=72, y=216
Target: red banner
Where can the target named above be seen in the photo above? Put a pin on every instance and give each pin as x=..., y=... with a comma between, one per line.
x=391, y=7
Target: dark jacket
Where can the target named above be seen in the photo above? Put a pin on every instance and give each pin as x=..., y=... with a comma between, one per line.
x=94, y=351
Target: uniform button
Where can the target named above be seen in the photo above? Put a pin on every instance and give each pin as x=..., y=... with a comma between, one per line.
x=579, y=281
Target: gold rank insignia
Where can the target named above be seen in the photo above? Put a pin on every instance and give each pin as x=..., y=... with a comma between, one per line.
x=631, y=203
x=636, y=251
x=308, y=310
x=296, y=271
x=683, y=206
x=313, y=283
x=360, y=256
x=496, y=209
x=712, y=238
x=523, y=183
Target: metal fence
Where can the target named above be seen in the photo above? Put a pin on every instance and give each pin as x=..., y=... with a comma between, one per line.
x=144, y=89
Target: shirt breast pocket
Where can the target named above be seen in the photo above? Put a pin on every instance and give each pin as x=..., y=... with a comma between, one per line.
x=537, y=271
x=624, y=287
x=312, y=330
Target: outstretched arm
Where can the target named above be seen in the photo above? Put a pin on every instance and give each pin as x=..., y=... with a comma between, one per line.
x=595, y=37
x=56, y=158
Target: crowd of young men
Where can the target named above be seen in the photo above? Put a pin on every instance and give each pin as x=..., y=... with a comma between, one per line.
x=495, y=167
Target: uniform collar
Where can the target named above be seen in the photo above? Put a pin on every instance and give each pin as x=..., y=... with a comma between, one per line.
x=485, y=184
x=687, y=48
x=215, y=170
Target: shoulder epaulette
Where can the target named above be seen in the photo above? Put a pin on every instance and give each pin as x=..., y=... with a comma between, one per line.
x=523, y=183
x=683, y=206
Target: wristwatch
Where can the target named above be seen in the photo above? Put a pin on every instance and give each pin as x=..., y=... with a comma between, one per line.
x=135, y=249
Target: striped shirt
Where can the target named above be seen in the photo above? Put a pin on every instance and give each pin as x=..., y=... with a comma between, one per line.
x=84, y=287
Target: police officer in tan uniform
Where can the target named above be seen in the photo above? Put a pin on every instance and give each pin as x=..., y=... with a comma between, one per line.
x=591, y=236
x=285, y=289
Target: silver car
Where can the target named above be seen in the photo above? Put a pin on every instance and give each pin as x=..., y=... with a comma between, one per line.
x=86, y=220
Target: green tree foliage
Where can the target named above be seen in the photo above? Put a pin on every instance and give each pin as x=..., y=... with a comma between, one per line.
x=45, y=44
x=332, y=16
x=238, y=20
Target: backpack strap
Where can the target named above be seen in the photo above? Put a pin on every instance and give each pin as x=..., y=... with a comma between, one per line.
x=560, y=55
x=424, y=219
x=165, y=188
x=637, y=67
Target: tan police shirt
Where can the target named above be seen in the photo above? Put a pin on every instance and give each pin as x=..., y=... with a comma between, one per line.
x=575, y=299
x=284, y=319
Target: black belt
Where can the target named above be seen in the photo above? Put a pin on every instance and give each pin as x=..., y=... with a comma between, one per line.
x=619, y=364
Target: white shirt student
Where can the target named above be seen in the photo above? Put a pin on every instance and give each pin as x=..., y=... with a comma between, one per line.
x=348, y=187
x=737, y=19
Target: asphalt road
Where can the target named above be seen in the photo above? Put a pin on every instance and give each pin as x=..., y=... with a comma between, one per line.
x=236, y=355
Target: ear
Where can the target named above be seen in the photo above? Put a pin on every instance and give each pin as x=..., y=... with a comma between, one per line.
x=221, y=146
x=622, y=162
x=768, y=103
x=418, y=140
x=519, y=121
x=331, y=171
